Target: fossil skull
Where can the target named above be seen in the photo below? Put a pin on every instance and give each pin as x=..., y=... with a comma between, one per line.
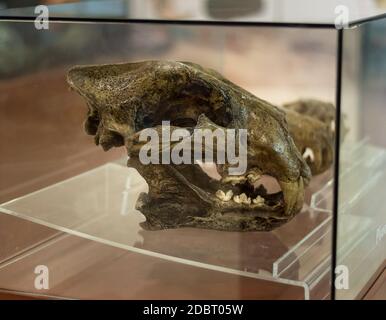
x=124, y=99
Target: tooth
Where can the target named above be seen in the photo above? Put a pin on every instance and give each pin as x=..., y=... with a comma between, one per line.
x=228, y=195
x=236, y=199
x=258, y=200
x=224, y=196
x=243, y=197
x=234, y=179
x=293, y=193
x=253, y=177
x=220, y=194
x=290, y=194
x=308, y=153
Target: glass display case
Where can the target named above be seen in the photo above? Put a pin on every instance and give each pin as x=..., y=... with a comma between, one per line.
x=69, y=208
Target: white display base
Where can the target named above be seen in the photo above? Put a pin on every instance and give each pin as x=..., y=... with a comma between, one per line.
x=99, y=205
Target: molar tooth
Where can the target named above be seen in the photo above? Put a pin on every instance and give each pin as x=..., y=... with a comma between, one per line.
x=220, y=194
x=237, y=199
x=245, y=199
x=253, y=177
x=228, y=195
x=258, y=200
x=224, y=196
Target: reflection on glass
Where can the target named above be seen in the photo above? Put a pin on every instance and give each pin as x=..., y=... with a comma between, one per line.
x=54, y=175
x=361, y=212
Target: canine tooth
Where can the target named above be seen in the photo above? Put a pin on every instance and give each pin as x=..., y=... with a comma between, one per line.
x=228, y=195
x=308, y=153
x=236, y=199
x=220, y=194
x=293, y=193
x=258, y=200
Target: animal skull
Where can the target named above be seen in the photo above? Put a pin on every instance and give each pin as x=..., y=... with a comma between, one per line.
x=311, y=124
x=124, y=99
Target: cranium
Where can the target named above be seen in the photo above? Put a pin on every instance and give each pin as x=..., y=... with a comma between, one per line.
x=312, y=126
x=124, y=99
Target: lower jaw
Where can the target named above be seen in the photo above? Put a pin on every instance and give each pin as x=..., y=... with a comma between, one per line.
x=215, y=216
x=238, y=221
x=231, y=221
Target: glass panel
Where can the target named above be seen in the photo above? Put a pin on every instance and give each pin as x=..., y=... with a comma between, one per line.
x=361, y=214
x=52, y=174
x=231, y=11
